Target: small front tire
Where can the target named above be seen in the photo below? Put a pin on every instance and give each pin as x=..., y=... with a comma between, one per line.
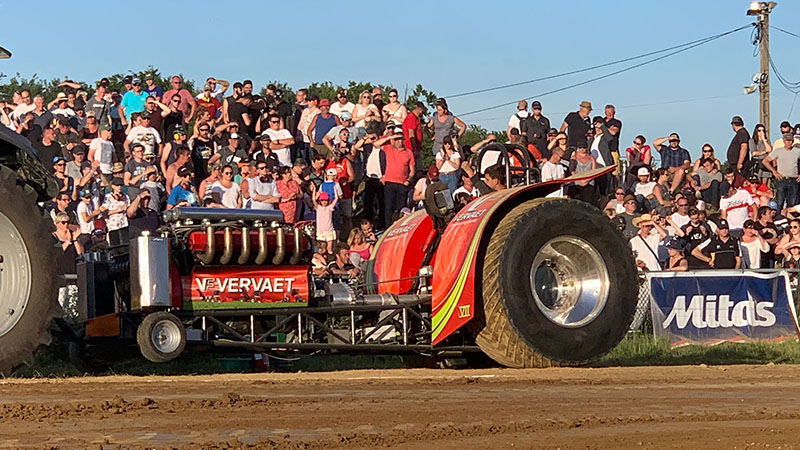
x=161, y=337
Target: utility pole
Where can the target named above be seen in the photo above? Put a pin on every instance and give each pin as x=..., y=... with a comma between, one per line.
x=762, y=10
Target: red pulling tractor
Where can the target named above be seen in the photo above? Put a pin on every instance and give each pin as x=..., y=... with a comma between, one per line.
x=530, y=281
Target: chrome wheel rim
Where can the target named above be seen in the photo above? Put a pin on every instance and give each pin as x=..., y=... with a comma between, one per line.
x=166, y=336
x=569, y=281
x=15, y=275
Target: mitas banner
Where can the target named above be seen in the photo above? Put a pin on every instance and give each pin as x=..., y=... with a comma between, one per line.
x=719, y=306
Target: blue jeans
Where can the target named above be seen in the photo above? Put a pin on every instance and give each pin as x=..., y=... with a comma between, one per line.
x=786, y=190
x=450, y=179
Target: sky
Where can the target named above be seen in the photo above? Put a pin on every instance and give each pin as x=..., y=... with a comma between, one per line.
x=449, y=47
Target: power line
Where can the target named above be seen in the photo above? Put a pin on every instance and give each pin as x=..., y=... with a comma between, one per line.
x=608, y=75
x=773, y=27
x=599, y=66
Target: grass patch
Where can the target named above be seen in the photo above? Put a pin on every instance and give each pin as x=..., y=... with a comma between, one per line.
x=642, y=350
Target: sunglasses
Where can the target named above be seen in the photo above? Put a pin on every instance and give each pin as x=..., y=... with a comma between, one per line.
x=203, y=129
x=619, y=193
x=261, y=168
x=392, y=95
x=59, y=164
x=674, y=140
x=274, y=121
x=227, y=173
x=795, y=228
x=630, y=202
x=176, y=100
x=63, y=222
x=637, y=143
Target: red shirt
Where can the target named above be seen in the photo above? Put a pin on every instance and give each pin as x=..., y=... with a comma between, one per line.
x=398, y=164
x=342, y=175
x=212, y=105
x=411, y=125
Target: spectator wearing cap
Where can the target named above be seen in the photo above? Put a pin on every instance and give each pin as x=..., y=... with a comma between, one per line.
x=231, y=154
x=738, y=149
x=116, y=204
x=786, y=128
x=75, y=167
x=90, y=130
x=674, y=158
x=320, y=125
x=66, y=137
x=143, y=133
x=151, y=88
x=782, y=162
x=720, y=251
x=136, y=169
x=516, y=119
x=218, y=87
x=62, y=109
x=629, y=213
x=647, y=243
x=577, y=125
x=341, y=104
x=412, y=130
x=444, y=123
x=87, y=213
x=141, y=216
x=47, y=148
x=183, y=192
x=355, y=133
x=676, y=261
x=79, y=121
x=157, y=112
x=187, y=104
x=535, y=127
x=398, y=168
x=280, y=140
x=365, y=111
x=421, y=186
x=263, y=152
x=394, y=110
x=643, y=190
x=752, y=246
x=208, y=101
x=132, y=101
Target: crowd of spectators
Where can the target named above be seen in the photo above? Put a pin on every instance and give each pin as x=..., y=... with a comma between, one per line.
x=352, y=169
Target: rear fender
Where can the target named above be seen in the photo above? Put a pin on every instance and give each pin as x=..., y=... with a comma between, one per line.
x=398, y=255
x=455, y=284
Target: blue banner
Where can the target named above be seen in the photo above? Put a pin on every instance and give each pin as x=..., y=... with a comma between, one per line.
x=709, y=307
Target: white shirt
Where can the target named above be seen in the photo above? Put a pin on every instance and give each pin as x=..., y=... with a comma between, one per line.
x=595, y=151
x=337, y=108
x=513, y=122
x=19, y=112
x=103, y=153
x=643, y=253
x=374, y=164
x=551, y=171
x=86, y=227
x=256, y=186
x=147, y=136
x=736, y=207
x=454, y=165
x=362, y=111
x=680, y=220
x=284, y=154
x=119, y=220
x=461, y=189
x=644, y=189
x=216, y=94
x=751, y=253
x=228, y=196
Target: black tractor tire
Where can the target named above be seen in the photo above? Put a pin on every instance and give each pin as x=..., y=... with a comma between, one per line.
x=509, y=326
x=33, y=231
x=161, y=337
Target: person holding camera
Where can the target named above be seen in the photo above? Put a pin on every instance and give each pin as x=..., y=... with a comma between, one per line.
x=140, y=216
x=443, y=122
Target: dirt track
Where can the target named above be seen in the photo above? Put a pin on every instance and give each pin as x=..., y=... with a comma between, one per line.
x=676, y=407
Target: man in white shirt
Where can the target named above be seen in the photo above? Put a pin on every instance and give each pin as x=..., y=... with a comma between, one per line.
x=736, y=208
x=552, y=169
x=144, y=134
x=645, y=244
x=342, y=105
x=280, y=140
x=101, y=151
x=680, y=217
x=522, y=113
x=23, y=108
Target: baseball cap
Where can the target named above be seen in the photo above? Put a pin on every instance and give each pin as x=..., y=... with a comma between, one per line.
x=552, y=131
x=797, y=128
x=127, y=79
x=737, y=120
x=628, y=198
x=345, y=115
x=235, y=136
x=433, y=173
x=63, y=121
x=58, y=158
x=324, y=102
x=116, y=182
x=104, y=127
x=86, y=193
x=324, y=196
x=786, y=124
x=788, y=137
x=537, y=105
x=184, y=171
x=773, y=205
x=148, y=152
x=136, y=80
x=642, y=171
x=79, y=150
x=145, y=114
x=90, y=113
x=723, y=224
x=331, y=171
x=673, y=243
x=674, y=136
x=264, y=137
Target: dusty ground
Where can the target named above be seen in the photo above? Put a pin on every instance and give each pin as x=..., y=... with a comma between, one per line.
x=650, y=407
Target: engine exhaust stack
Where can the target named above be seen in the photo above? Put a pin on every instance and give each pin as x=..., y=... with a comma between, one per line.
x=245, y=255
x=297, y=250
x=280, y=250
x=208, y=255
x=227, y=253
x=262, y=245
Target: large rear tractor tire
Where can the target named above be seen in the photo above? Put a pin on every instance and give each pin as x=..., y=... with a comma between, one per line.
x=28, y=280
x=559, y=286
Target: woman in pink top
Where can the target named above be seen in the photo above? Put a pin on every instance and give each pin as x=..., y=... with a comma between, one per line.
x=290, y=192
x=360, y=249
